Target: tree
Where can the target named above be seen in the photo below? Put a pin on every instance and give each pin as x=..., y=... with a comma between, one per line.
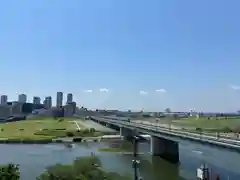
x=58, y=172
x=168, y=110
x=83, y=168
x=9, y=172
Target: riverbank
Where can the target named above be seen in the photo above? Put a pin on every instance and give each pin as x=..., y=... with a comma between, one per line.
x=48, y=130
x=61, y=140
x=120, y=147
x=111, y=150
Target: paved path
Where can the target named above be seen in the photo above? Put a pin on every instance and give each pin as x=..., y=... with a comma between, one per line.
x=78, y=127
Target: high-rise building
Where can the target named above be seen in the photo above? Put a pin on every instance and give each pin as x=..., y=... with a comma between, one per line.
x=22, y=98
x=69, y=98
x=36, y=100
x=59, y=99
x=69, y=109
x=48, y=102
x=17, y=108
x=5, y=111
x=4, y=99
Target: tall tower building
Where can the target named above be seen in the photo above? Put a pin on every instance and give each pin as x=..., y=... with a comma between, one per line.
x=4, y=99
x=22, y=98
x=69, y=98
x=69, y=109
x=48, y=102
x=59, y=99
x=36, y=100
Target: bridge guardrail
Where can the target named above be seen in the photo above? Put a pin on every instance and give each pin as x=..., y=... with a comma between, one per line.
x=200, y=133
x=200, y=136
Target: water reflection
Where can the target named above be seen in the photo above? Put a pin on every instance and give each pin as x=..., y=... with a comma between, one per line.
x=158, y=169
x=150, y=167
x=191, y=157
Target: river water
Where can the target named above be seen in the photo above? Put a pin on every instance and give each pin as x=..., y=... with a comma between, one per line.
x=33, y=160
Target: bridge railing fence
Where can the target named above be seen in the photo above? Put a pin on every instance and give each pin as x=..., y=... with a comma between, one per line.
x=217, y=135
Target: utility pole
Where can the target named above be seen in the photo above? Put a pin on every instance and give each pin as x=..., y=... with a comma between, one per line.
x=203, y=173
x=135, y=162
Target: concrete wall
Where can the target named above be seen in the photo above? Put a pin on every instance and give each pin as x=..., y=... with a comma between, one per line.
x=165, y=148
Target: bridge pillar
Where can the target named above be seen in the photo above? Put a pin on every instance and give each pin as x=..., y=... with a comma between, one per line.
x=121, y=131
x=125, y=132
x=166, y=149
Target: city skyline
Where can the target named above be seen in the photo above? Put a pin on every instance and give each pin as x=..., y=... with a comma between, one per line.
x=143, y=95
x=188, y=48
x=47, y=100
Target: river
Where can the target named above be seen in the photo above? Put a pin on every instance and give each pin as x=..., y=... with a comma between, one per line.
x=33, y=159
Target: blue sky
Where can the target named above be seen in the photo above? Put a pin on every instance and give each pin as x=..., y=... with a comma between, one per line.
x=188, y=48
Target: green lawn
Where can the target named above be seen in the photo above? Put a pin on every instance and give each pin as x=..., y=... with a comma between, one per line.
x=27, y=129
x=206, y=123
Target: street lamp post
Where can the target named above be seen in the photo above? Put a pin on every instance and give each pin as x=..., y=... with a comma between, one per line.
x=135, y=162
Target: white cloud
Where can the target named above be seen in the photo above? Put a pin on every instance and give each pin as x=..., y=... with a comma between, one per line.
x=161, y=90
x=235, y=87
x=103, y=90
x=143, y=92
x=88, y=91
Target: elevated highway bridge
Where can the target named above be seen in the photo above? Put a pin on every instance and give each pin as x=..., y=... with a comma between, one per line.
x=164, y=141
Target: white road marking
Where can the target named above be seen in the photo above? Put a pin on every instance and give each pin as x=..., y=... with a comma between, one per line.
x=78, y=127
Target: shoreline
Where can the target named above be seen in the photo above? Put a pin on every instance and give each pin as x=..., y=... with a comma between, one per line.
x=57, y=140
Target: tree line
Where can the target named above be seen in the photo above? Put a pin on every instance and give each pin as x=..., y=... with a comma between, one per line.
x=83, y=168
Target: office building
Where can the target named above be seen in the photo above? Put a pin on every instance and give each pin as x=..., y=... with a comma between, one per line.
x=59, y=99
x=48, y=102
x=69, y=98
x=36, y=100
x=69, y=109
x=16, y=108
x=5, y=111
x=22, y=98
x=4, y=99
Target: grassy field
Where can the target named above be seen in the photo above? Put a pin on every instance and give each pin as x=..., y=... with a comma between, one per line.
x=31, y=129
x=207, y=124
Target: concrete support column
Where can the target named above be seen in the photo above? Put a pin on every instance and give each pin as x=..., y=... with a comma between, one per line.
x=125, y=132
x=165, y=148
x=121, y=131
